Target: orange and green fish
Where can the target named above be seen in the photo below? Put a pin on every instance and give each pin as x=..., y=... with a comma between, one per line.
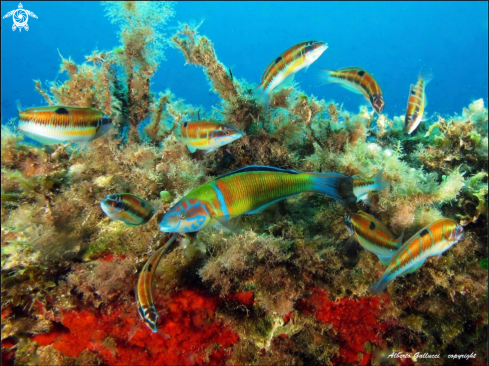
x=373, y=235
x=128, y=208
x=283, y=68
x=144, y=289
x=358, y=81
x=61, y=124
x=245, y=191
x=204, y=135
x=363, y=187
x=417, y=101
x=430, y=241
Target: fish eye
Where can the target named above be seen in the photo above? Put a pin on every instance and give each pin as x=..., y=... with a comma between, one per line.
x=183, y=215
x=227, y=133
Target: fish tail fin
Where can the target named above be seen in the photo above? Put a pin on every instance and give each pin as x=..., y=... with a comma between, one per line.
x=398, y=241
x=426, y=74
x=379, y=182
x=19, y=106
x=379, y=286
x=385, y=260
x=328, y=184
x=325, y=77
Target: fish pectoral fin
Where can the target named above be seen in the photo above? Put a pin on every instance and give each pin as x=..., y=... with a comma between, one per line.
x=209, y=151
x=191, y=148
x=351, y=88
x=86, y=144
x=223, y=223
x=288, y=81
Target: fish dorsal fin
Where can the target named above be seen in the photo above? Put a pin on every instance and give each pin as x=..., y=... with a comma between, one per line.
x=258, y=168
x=352, y=68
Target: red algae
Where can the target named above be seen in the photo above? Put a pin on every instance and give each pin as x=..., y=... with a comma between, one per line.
x=189, y=334
x=246, y=298
x=355, y=322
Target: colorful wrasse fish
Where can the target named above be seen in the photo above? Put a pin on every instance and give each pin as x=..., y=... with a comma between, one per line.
x=362, y=187
x=128, y=208
x=59, y=124
x=433, y=240
x=203, y=135
x=373, y=235
x=287, y=64
x=144, y=290
x=245, y=191
x=417, y=101
x=358, y=81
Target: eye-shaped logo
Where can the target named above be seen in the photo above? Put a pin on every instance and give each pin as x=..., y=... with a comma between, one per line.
x=20, y=17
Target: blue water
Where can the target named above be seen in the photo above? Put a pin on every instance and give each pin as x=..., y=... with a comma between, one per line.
x=391, y=40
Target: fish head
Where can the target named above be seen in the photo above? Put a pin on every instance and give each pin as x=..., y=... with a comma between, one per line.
x=188, y=215
x=457, y=233
x=225, y=134
x=349, y=224
x=150, y=317
x=112, y=206
x=378, y=103
x=313, y=50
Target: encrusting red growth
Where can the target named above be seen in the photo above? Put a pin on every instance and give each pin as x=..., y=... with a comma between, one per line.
x=195, y=336
x=355, y=322
x=246, y=298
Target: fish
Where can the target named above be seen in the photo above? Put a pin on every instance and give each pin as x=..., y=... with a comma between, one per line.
x=128, y=208
x=373, y=235
x=144, y=289
x=358, y=81
x=282, y=69
x=208, y=136
x=61, y=124
x=430, y=241
x=417, y=101
x=363, y=187
x=247, y=190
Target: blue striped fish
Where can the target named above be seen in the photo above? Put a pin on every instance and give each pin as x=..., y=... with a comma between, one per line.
x=430, y=241
x=61, y=124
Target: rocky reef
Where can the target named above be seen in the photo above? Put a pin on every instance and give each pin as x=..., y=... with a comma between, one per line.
x=283, y=290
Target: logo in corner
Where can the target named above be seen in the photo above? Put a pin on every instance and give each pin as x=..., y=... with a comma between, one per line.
x=20, y=17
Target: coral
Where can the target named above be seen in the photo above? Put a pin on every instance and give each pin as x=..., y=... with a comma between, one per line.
x=355, y=322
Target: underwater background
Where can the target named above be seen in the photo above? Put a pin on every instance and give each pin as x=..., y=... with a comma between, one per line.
x=282, y=289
